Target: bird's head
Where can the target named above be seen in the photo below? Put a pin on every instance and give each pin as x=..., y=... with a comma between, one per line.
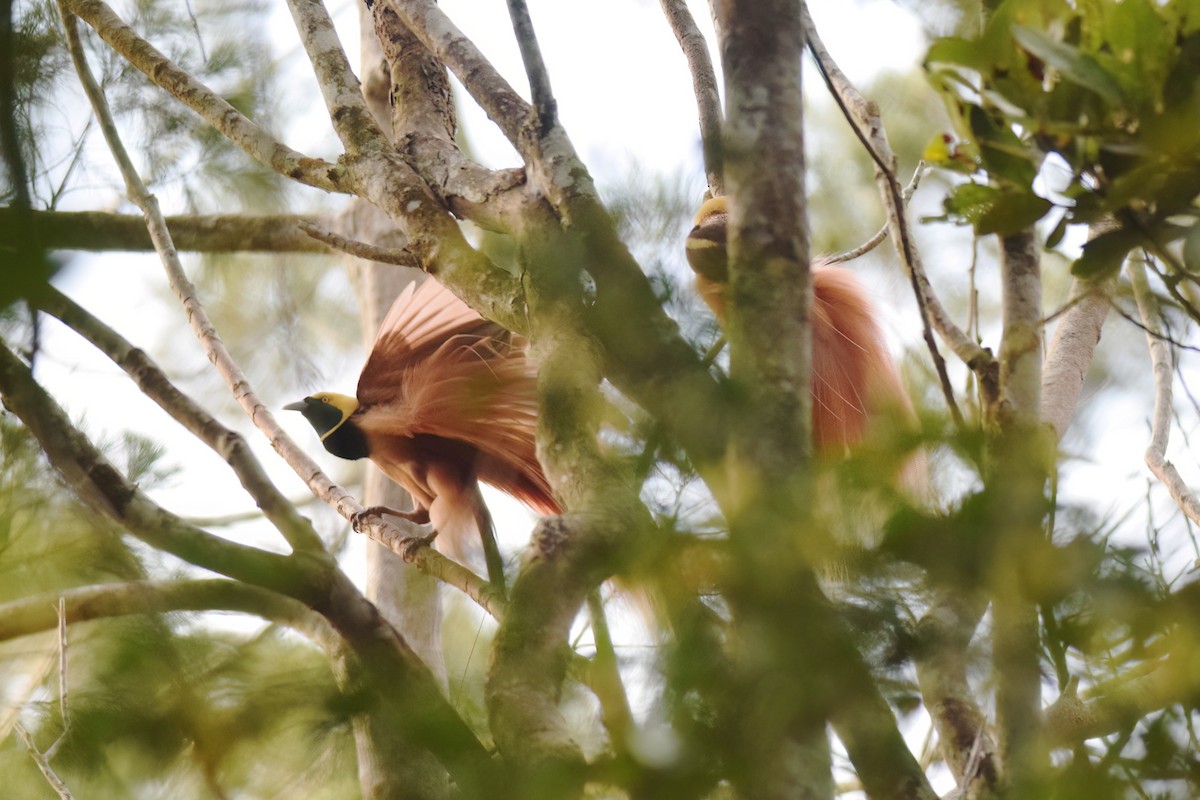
x=707, y=254
x=325, y=411
x=706, y=241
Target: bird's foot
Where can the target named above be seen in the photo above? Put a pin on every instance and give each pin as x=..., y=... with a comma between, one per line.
x=418, y=516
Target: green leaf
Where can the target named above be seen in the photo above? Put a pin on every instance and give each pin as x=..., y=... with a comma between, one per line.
x=1077, y=67
x=1012, y=211
x=1104, y=255
x=1004, y=155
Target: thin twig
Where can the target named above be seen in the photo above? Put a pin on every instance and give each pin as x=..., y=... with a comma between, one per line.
x=55, y=782
x=704, y=85
x=882, y=233
x=864, y=119
x=1160, y=428
x=367, y=252
x=535, y=66
x=61, y=610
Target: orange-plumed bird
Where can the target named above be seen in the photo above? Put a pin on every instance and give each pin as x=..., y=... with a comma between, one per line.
x=854, y=378
x=446, y=399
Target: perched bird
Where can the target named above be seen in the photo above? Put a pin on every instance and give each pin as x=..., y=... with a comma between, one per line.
x=445, y=400
x=854, y=378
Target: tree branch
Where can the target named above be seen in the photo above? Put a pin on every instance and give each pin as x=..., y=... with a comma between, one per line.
x=43, y=764
x=1021, y=461
x=965, y=739
x=704, y=85
x=1072, y=349
x=367, y=252
x=226, y=443
x=35, y=614
x=390, y=671
x=535, y=66
x=340, y=88
x=1163, y=367
x=100, y=231
x=204, y=101
x=863, y=117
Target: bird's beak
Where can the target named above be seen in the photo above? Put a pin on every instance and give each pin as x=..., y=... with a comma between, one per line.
x=299, y=405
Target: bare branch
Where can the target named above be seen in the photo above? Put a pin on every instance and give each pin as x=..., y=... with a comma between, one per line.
x=204, y=101
x=367, y=252
x=965, y=742
x=99, y=231
x=1071, y=350
x=881, y=234
x=704, y=85
x=535, y=66
x=1162, y=364
x=606, y=677
x=1021, y=342
x=863, y=117
x=154, y=384
x=35, y=614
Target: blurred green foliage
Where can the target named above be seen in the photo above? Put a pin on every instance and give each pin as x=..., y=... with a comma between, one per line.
x=1108, y=90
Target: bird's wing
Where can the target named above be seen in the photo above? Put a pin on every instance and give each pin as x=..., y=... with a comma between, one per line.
x=440, y=369
x=419, y=322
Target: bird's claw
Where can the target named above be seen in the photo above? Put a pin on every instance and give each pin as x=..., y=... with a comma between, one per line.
x=359, y=518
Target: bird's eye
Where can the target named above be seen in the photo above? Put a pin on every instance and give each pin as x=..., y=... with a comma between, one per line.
x=324, y=399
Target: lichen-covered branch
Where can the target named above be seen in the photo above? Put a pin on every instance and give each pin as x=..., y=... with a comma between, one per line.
x=1021, y=461
x=204, y=101
x=569, y=555
x=100, y=231
x=339, y=85
x=353, y=247
x=964, y=733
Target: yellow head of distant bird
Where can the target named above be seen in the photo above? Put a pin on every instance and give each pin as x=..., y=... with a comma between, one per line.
x=329, y=413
